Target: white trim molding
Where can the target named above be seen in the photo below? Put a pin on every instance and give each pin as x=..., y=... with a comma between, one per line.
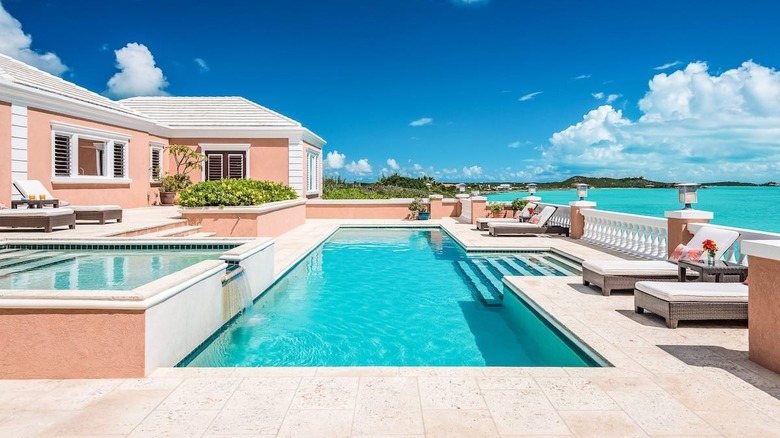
x=19, y=134
x=295, y=164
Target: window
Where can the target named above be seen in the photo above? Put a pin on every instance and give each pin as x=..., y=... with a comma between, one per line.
x=225, y=164
x=155, y=162
x=312, y=172
x=88, y=155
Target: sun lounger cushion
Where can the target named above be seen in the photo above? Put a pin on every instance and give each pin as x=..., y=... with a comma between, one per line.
x=683, y=252
x=79, y=208
x=36, y=212
x=724, y=238
x=695, y=291
x=631, y=267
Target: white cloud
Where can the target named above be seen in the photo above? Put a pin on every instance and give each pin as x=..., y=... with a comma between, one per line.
x=613, y=97
x=334, y=160
x=694, y=125
x=416, y=167
x=605, y=97
x=529, y=96
x=580, y=77
x=472, y=172
x=138, y=75
x=16, y=44
x=202, y=66
x=668, y=65
x=360, y=168
x=514, y=145
x=598, y=96
x=392, y=164
x=470, y=2
x=421, y=122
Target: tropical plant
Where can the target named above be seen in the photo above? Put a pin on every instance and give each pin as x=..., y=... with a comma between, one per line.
x=186, y=160
x=495, y=207
x=518, y=204
x=234, y=192
x=417, y=206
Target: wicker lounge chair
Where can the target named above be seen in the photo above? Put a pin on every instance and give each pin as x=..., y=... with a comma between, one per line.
x=482, y=222
x=519, y=229
x=612, y=275
x=692, y=301
x=46, y=218
x=100, y=213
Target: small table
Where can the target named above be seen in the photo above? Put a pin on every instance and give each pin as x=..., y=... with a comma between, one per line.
x=36, y=203
x=719, y=269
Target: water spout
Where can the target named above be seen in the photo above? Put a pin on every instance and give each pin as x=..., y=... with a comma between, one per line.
x=236, y=293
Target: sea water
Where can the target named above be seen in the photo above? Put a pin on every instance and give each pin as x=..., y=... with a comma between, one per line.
x=756, y=208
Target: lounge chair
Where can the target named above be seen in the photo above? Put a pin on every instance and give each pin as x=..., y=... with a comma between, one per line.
x=482, y=222
x=692, y=301
x=612, y=275
x=100, y=213
x=46, y=218
x=521, y=228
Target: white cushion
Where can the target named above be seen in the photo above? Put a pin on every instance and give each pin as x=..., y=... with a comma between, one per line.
x=723, y=238
x=94, y=207
x=29, y=187
x=631, y=267
x=513, y=225
x=695, y=291
x=36, y=212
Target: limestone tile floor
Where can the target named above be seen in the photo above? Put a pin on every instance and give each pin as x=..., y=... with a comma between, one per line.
x=692, y=381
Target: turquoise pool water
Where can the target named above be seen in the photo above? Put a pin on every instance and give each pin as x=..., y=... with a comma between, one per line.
x=755, y=208
x=390, y=297
x=93, y=269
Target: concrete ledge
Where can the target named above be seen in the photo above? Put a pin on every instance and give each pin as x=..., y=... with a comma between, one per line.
x=268, y=220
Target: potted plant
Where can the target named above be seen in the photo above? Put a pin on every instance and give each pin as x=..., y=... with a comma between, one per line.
x=186, y=160
x=419, y=210
x=518, y=204
x=496, y=208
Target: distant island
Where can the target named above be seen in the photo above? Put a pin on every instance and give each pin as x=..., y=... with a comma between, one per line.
x=638, y=182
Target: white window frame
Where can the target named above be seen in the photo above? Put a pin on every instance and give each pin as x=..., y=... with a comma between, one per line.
x=108, y=138
x=312, y=178
x=205, y=148
x=160, y=147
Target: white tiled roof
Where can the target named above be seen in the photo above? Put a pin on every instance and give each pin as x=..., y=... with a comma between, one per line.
x=198, y=112
x=19, y=73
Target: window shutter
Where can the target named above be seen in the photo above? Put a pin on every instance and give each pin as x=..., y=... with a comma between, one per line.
x=235, y=166
x=156, y=164
x=214, y=167
x=119, y=160
x=62, y=155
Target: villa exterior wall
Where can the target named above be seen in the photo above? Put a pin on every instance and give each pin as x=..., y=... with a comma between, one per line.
x=268, y=157
x=74, y=344
x=374, y=209
x=268, y=220
x=39, y=164
x=5, y=153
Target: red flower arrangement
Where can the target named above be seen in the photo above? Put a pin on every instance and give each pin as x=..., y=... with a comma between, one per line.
x=710, y=246
x=531, y=210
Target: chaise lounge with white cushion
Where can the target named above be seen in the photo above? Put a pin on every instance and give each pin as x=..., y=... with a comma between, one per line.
x=482, y=222
x=100, y=213
x=46, y=218
x=612, y=275
x=694, y=301
x=521, y=228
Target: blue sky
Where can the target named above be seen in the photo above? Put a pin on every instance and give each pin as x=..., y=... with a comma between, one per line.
x=494, y=90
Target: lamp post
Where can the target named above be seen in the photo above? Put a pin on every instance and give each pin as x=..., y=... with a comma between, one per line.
x=531, y=187
x=582, y=191
x=687, y=194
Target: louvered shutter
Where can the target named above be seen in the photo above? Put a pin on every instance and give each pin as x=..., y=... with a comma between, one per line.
x=119, y=160
x=62, y=155
x=235, y=166
x=156, y=164
x=214, y=167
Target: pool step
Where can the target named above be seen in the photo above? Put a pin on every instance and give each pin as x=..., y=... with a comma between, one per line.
x=573, y=267
x=485, y=292
x=180, y=231
x=37, y=263
x=495, y=280
x=22, y=257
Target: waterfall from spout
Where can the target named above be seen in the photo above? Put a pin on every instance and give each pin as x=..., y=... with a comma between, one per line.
x=236, y=293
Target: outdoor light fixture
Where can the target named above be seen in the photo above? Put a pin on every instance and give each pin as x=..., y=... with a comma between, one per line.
x=582, y=191
x=532, y=188
x=688, y=194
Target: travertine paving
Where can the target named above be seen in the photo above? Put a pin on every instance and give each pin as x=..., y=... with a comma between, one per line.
x=692, y=381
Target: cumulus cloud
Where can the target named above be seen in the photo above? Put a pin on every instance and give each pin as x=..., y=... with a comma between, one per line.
x=421, y=122
x=202, y=66
x=361, y=167
x=334, y=160
x=529, y=96
x=138, y=75
x=694, y=125
x=391, y=163
x=668, y=65
x=472, y=172
x=16, y=44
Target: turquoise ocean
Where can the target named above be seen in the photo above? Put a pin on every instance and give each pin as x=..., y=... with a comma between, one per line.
x=756, y=208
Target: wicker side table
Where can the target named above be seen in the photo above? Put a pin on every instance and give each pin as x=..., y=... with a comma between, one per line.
x=718, y=270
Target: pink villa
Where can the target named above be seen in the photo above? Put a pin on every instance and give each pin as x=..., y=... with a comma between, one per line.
x=88, y=149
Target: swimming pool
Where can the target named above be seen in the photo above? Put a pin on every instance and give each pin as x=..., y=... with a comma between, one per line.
x=96, y=266
x=390, y=297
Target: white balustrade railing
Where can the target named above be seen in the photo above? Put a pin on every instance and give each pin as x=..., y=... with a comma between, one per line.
x=734, y=253
x=643, y=236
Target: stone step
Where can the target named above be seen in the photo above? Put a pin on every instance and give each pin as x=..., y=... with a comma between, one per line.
x=181, y=231
x=202, y=234
x=485, y=291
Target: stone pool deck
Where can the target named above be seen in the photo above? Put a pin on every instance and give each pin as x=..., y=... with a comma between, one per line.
x=692, y=381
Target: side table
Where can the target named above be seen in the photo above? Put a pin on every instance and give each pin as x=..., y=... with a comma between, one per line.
x=718, y=270
x=36, y=203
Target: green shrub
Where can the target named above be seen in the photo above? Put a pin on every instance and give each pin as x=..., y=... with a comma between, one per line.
x=234, y=192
